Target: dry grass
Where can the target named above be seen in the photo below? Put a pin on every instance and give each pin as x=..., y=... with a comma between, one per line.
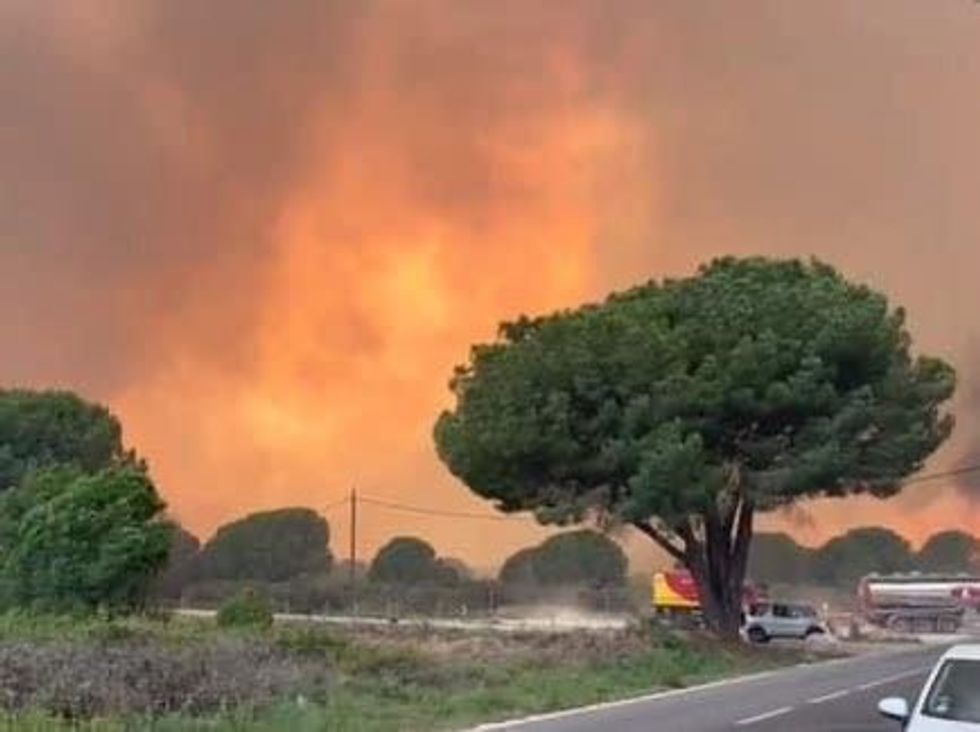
x=188, y=674
x=77, y=681
x=493, y=648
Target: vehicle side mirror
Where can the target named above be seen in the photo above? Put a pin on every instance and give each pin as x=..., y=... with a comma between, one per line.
x=894, y=708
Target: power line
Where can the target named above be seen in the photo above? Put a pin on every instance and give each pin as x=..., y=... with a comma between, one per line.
x=336, y=504
x=434, y=511
x=425, y=511
x=955, y=472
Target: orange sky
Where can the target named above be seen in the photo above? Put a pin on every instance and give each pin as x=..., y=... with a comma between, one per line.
x=265, y=233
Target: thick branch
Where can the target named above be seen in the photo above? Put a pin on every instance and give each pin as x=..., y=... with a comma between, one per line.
x=661, y=540
x=743, y=531
x=740, y=544
x=695, y=555
x=687, y=532
x=731, y=499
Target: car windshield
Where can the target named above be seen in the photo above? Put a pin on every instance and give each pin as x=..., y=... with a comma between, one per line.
x=955, y=694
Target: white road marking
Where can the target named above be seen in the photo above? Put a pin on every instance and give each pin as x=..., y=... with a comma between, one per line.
x=604, y=706
x=763, y=717
x=829, y=697
x=512, y=724
x=893, y=678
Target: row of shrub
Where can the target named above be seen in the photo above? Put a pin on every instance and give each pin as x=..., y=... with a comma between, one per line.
x=843, y=560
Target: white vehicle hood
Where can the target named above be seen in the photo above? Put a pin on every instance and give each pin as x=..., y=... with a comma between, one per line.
x=931, y=724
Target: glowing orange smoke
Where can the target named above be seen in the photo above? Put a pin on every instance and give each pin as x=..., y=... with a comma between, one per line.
x=373, y=294
x=265, y=232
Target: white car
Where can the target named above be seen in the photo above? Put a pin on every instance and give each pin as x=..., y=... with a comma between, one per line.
x=950, y=699
x=765, y=620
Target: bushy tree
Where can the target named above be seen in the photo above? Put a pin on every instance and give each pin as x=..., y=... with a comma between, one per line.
x=684, y=407
x=950, y=552
x=572, y=558
x=35, y=489
x=519, y=568
x=458, y=567
x=180, y=569
x=83, y=541
x=844, y=560
x=270, y=546
x=777, y=558
x=408, y=560
x=49, y=428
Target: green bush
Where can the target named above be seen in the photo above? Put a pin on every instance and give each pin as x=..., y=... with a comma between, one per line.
x=248, y=609
x=77, y=542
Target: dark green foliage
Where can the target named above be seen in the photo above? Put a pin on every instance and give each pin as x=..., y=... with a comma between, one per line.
x=45, y=429
x=802, y=380
x=950, y=552
x=248, y=609
x=34, y=490
x=778, y=559
x=459, y=567
x=843, y=561
x=407, y=560
x=82, y=541
x=181, y=567
x=519, y=568
x=80, y=522
x=573, y=558
x=685, y=406
x=271, y=546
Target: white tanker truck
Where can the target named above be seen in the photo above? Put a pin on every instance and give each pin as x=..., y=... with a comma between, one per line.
x=919, y=603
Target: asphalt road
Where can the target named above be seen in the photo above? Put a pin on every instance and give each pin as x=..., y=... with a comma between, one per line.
x=839, y=696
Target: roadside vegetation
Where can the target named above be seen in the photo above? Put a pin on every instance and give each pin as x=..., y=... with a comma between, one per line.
x=102, y=674
x=90, y=559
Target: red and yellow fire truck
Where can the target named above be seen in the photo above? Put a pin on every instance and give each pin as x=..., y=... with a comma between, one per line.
x=676, y=593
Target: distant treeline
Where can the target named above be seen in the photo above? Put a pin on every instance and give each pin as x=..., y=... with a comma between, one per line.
x=841, y=562
x=286, y=553
x=82, y=526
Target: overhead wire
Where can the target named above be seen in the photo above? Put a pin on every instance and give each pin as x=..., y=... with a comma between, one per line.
x=336, y=504
x=434, y=511
x=426, y=511
x=954, y=473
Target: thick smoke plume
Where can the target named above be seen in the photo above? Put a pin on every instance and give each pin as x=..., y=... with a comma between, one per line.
x=265, y=232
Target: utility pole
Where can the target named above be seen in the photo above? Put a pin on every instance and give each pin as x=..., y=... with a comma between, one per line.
x=353, y=550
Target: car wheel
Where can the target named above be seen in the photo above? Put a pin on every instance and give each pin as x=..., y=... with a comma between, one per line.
x=757, y=635
x=813, y=631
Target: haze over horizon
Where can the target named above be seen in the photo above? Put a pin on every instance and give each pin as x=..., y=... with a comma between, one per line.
x=265, y=237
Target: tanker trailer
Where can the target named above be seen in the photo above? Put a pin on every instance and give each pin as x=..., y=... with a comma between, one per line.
x=918, y=603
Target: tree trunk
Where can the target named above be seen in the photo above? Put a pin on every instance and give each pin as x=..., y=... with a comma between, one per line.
x=717, y=557
x=718, y=563
x=721, y=602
